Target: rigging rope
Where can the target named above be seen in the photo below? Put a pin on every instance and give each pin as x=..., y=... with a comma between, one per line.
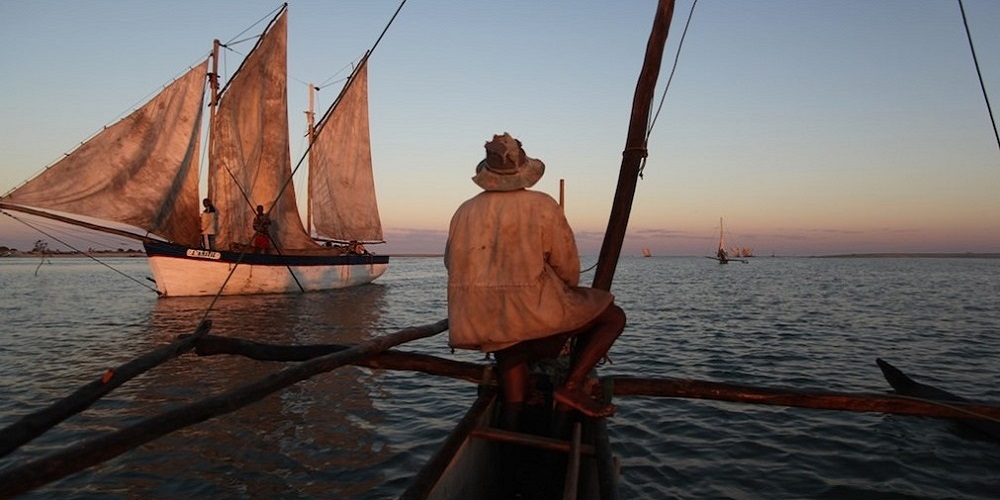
x=71, y=247
x=663, y=97
x=979, y=73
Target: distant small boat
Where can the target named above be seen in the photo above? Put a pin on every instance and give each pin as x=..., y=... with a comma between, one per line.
x=724, y=257
x=646, y=252
x=721, y=255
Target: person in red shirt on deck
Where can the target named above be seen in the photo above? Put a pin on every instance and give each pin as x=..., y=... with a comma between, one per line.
x=261, y=231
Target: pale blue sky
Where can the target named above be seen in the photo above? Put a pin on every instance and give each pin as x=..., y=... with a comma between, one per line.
x=812, y=127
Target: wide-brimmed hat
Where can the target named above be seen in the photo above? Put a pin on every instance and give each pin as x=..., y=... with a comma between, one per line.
x=506, y=166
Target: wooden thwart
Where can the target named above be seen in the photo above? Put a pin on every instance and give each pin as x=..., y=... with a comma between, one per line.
x=540, y=442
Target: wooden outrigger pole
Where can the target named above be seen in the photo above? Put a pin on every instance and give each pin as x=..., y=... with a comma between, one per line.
x=635, y=148
x=621, y=208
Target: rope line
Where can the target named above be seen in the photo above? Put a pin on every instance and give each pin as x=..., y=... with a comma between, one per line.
x=979, y=73
x=663, y=97
x=91, y=257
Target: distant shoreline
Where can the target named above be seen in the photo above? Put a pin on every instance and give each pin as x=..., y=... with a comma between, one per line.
x=943, y=255
x=59, y=255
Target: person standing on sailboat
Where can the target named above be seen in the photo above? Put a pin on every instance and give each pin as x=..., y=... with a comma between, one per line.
x=261, y=231
x=209, y=225
x=513, y=275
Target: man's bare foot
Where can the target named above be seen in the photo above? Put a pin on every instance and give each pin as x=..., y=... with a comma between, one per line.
x=576, y=398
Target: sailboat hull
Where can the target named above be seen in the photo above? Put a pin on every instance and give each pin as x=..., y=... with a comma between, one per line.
x=181, y=271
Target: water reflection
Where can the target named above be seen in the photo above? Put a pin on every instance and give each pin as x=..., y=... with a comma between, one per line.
x=297, y=441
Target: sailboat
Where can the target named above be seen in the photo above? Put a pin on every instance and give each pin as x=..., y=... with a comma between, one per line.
x=721, y=255
x=142, y=171
x=734, y=254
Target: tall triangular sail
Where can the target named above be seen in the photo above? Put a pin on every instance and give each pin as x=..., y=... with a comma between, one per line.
x=250, y=162
x=142, y=170
x=341, y=183
x=721, y=254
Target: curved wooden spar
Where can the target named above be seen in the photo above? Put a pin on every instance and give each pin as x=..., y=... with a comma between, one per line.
x=31, y=475
x=635, y=148
x=35, y=424
x=797, y=398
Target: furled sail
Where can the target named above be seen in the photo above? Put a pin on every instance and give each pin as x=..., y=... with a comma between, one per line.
x=142, y=170
x=341, y=183
x=250, y=162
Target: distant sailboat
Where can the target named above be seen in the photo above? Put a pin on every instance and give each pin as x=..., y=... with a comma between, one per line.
x=646, y=252
x=724, y=257
x=143, y=171
x=721, y=255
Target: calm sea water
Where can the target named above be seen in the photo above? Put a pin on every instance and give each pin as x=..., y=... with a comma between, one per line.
x=354, y=433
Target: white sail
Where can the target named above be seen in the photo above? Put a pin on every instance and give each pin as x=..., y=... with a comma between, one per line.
x=249, y=161
x=341, y=184
x=142, y=170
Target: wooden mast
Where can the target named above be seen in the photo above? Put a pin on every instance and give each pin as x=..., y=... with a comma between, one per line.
x=213, y=106
x=635, y=148
x=311, y=136
x=721, y=253
x=635, y=151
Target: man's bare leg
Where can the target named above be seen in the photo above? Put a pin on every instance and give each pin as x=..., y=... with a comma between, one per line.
x=514, y=380
x=591, y=346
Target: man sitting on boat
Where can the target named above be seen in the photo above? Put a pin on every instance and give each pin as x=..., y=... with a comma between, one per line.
x=513, y=274
x=261, y=231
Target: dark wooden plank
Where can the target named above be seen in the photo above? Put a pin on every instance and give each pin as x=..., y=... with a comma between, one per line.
x=35, y=424
x=26, y=477
x=827, y=400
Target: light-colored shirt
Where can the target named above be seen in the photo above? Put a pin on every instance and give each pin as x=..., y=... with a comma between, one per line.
x=209, y=222
x=513, y=271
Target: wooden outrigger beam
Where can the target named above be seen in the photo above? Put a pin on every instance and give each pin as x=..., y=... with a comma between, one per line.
x=35, y=424
x=26, y=477
x=825, y=400
x=620, y=385
x=211, y=345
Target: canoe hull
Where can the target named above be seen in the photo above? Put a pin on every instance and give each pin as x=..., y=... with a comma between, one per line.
x=181, y=271
x=479, y=460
